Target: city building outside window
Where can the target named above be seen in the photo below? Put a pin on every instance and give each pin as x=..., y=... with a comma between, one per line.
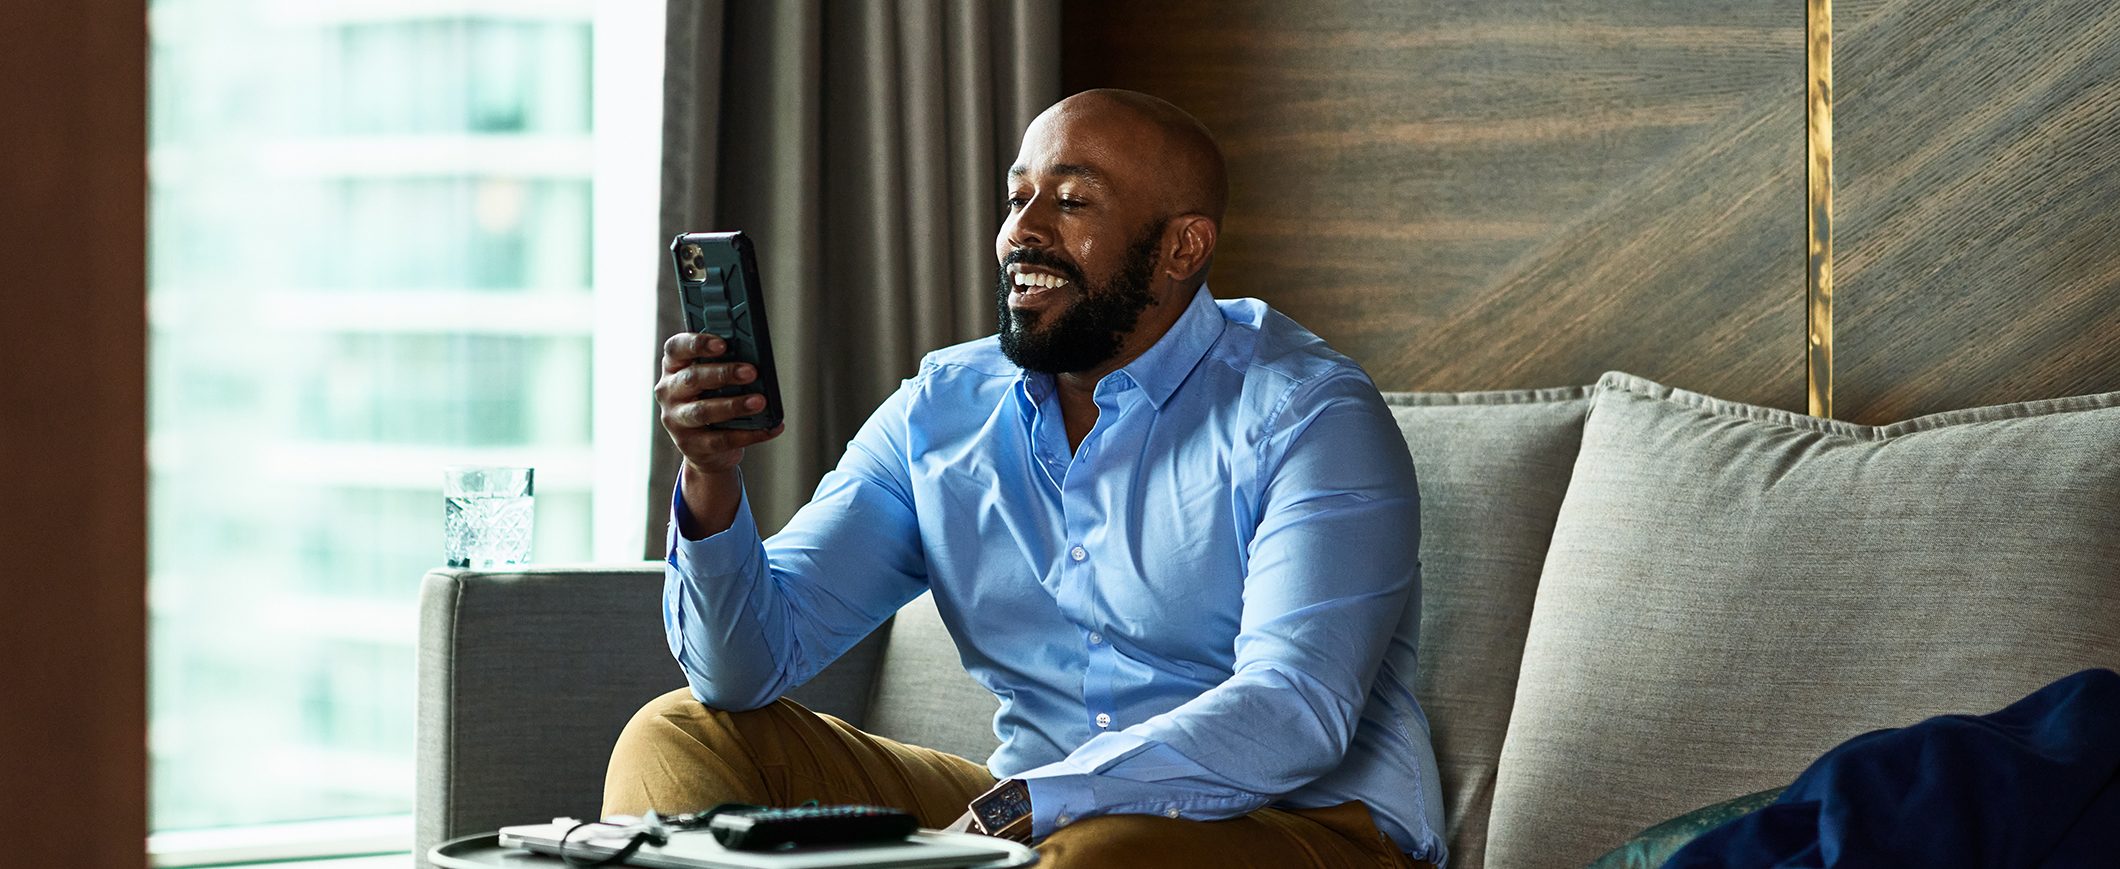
x=386, y=237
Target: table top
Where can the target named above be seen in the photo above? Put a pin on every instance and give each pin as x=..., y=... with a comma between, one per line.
x=484, y=851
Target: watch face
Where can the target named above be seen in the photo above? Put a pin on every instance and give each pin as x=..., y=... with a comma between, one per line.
x=1003, y=805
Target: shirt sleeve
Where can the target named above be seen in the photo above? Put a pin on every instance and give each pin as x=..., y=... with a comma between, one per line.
x=1332, y=563
x=747, y=619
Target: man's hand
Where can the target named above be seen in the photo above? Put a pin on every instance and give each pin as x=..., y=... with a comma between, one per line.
x=711, y=487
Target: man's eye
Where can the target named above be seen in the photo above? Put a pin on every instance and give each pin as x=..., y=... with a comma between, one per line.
x=1016, y=202
x=1071, y=204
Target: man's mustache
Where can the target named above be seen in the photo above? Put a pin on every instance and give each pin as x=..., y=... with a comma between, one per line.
x=1031, y=256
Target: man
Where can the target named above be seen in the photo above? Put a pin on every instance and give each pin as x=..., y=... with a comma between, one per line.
x=1173, y=535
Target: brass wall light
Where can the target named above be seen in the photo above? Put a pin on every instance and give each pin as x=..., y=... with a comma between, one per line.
x=1818, y=367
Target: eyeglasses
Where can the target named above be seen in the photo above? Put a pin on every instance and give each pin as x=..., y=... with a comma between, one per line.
x=649, y=829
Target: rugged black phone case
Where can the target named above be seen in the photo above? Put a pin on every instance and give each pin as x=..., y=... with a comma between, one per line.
x=718, y=288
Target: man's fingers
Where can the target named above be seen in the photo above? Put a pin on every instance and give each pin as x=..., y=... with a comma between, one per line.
x=690, y=381
x=677, y=352
x=685, y=348
x=688, y=414
x=709, y=411
x=716, y=448
x=715, y=375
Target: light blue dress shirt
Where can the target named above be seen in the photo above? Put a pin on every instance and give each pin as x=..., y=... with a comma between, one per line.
x=1207, y=608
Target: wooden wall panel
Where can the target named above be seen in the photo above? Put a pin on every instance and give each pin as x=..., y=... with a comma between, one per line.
x=1502, y=194
x=73, y=441
x=1977, y=203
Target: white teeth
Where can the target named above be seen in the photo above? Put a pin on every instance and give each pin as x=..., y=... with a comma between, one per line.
x=1031, y=279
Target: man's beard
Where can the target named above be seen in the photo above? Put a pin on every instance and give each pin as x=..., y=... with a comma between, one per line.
x=1087, y=333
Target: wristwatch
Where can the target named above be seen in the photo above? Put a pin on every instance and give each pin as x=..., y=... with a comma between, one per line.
x=1004, y=812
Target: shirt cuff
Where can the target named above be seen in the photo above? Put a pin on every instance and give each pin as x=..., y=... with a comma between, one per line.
x=727, y=551
x=1057, y=802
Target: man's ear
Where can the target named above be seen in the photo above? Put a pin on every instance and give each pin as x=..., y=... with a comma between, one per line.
x=1192, y=244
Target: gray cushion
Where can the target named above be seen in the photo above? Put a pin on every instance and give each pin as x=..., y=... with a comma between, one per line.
x=1493, y=467
x=1732, y=590
x=923, y=695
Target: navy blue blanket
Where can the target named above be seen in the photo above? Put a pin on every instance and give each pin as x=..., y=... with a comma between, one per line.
x=2034, y=785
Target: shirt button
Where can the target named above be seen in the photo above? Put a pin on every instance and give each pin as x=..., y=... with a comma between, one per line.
x=1064, y=820
x=1171, y=812
x=1104, y=719
x=1096, y=639
x=1078, y=553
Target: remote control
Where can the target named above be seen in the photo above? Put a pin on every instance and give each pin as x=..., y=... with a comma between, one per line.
x=766, y=829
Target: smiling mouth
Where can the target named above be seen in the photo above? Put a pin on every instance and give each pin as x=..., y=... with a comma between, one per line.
x=1030, y=284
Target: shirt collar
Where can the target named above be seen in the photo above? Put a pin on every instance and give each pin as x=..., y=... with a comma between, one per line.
x=1159, y=370
x=1165, y=365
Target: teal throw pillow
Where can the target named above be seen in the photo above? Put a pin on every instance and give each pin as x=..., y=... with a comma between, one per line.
x=1653, y=846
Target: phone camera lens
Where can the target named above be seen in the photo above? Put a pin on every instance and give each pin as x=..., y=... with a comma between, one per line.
x=695, y=262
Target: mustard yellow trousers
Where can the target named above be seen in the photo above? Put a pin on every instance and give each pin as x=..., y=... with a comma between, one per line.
x=679, y=755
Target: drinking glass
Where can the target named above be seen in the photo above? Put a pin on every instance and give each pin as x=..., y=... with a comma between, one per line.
x=486, y=520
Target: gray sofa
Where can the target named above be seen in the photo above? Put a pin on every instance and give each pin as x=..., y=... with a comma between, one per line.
x=1637, y=601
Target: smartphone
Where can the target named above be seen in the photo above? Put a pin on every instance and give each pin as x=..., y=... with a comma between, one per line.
x=718, y=289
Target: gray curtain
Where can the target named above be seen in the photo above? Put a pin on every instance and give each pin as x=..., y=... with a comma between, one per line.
x=861, y=143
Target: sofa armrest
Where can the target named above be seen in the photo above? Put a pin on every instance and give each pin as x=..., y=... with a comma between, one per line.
x=526, y=678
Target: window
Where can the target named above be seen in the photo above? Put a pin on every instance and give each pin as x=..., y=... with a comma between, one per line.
x=386, y=236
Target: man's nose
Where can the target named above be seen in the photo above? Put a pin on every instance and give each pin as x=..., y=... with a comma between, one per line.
x=1027, y=227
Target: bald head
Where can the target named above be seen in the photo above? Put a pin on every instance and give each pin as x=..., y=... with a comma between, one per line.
x=1172, y=148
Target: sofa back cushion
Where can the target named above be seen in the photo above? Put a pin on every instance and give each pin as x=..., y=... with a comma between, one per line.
x=923, y=695
x=1732, y=590
x=1493, y=467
